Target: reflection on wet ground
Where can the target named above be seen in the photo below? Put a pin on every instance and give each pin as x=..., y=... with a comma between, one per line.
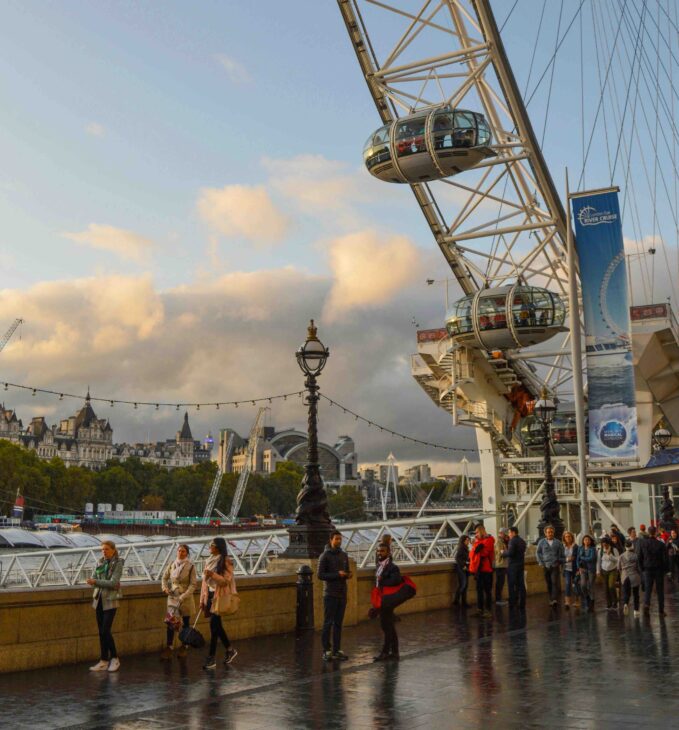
x=534, y=670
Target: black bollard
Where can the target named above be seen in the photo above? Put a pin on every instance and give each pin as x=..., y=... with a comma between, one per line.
x=305, y=598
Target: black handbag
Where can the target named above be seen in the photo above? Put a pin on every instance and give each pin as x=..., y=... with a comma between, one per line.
x=190, y=636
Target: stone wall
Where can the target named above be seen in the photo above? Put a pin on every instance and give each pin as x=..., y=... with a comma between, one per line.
x=49, y=627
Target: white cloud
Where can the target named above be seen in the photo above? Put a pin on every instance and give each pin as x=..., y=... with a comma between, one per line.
x=235, y=70
x=127, y=244
x=230, y=337
x=95, y=129
x=243, y=211
x=369, y=270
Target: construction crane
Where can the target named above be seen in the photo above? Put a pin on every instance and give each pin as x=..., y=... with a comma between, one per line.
x=247, y=466
x=217, y=482
x=8, y=335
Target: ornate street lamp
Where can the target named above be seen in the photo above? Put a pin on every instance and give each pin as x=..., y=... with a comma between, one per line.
x=309, y=536
x=661, y=437
x=544, y=410
x=661, y=440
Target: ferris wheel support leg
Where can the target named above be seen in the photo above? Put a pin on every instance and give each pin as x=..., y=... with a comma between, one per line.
x=490, y=481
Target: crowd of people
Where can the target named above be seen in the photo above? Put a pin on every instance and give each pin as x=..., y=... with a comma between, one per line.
x=625, y=567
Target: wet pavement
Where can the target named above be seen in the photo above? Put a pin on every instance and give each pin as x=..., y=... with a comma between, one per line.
x=545, y=668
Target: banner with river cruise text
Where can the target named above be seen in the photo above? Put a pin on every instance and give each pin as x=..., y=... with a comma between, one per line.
x=603, y=276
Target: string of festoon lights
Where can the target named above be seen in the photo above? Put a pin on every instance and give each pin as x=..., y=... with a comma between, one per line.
x=157, y=405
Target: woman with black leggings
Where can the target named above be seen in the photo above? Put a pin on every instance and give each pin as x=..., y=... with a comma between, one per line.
x=105, y=601
x=215, y=592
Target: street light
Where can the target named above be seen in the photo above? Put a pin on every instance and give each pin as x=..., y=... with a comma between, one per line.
x=309, y=535
x=544, y=410
x=662, y=437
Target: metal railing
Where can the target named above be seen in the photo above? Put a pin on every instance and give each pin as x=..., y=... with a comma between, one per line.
x=415, y=541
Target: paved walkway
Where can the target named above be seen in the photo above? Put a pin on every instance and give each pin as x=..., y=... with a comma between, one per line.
x=548, y=668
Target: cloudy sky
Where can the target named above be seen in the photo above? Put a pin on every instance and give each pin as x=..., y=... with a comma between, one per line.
x=180, y=191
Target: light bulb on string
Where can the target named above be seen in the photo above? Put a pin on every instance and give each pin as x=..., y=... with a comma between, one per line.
x=197, y=406
x=61, y=396
x=156, y=406
x=6, y=386
x=177, y=406
x=217, y=406
x=111, y=404
x=135, y=406
x=34, y=392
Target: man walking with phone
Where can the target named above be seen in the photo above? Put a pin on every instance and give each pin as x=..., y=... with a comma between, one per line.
x=333, y=570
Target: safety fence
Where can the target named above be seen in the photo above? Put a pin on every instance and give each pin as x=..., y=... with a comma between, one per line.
x=415, y=541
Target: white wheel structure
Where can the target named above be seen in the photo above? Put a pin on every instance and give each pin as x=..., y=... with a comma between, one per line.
x=499, y=223
x=502, y=221
x=499, y=220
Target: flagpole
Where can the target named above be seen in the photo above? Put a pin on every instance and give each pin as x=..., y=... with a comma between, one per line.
x=576, y=359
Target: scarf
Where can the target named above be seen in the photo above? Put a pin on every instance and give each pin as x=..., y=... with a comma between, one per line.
x=177, y=568
x=211, y=564
x=103, y=569
x=381, y=565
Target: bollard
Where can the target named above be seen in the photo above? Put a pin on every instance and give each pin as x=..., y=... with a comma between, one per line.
x=305, y=598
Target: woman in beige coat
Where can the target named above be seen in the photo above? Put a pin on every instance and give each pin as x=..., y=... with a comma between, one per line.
x=179, y=583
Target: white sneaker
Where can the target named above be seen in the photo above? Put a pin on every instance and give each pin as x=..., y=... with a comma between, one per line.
x=637, y=614
x=625, y=609
x=114, y=665
x=100, y=666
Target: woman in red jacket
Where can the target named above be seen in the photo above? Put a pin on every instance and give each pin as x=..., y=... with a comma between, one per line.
x=481, y=566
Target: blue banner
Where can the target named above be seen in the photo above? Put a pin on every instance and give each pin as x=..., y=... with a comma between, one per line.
x=610, y=373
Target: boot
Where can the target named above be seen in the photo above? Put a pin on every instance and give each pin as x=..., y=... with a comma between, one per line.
x=567, y=602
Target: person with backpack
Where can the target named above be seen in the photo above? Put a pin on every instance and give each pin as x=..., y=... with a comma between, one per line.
x=333, y=570
x=586, y=565
x=215, y=593
x=630, y=578
x=105, y=601
x=461, y=565
x=179, y=583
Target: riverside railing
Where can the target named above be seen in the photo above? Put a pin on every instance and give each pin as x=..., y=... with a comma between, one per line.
x=415, y=541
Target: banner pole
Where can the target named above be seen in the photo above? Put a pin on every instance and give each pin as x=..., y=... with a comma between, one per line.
x=576, y=360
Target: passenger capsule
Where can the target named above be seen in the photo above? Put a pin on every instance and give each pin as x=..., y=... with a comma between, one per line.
x=506, y=317
x=562, y=429
x=428, y=145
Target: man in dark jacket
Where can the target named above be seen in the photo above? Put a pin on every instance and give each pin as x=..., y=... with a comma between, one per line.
x=654, y=563
x=515, y=554
x=333, y=570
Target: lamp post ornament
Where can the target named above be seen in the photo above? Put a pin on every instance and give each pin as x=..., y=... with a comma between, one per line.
x=549, y=506
x=309, y=535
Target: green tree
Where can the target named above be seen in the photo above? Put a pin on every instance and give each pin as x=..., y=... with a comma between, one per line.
x=116, y=485
x=347, y=504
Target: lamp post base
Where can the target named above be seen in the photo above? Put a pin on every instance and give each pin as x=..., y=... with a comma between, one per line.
x=307, y=541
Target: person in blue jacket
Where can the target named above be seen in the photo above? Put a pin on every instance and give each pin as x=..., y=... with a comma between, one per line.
x=586, y=562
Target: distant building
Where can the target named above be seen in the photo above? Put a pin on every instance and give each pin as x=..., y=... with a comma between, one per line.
x=183, y=450
x=378, y=473
x=418, y=474
x=85, y=440
x=338, y=463
x=79, y=440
